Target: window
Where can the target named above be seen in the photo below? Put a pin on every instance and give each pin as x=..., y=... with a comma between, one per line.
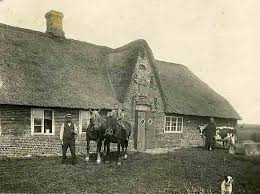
x=84, y=119
x=151, y=82
x=142, y=90
x=173, y=124
x=42, y=121
x=155, y=103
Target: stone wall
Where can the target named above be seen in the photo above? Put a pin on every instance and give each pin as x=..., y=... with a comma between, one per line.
x=143, y=85
x=190, y=135
x=144, y=76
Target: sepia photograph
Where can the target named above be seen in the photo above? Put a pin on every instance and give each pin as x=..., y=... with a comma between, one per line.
x=130, y=96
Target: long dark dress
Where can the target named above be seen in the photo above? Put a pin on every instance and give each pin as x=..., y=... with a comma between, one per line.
x=210, y=132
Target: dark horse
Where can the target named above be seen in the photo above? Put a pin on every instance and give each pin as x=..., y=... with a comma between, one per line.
x=95, y=133
x=115, y=133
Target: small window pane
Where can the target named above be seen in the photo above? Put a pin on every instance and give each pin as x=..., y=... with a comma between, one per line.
x=85, y=123
x=37, y=121
x=47, y=121
x=37, y=113
x=173, y=124
x=85, y=119
x=37, y=129
x=151, y=82
x=48, y=114
x=47, y=126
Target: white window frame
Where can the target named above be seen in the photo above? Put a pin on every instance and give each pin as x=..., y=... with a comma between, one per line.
x=80, y=120
x=171, y=124
x=42, y=130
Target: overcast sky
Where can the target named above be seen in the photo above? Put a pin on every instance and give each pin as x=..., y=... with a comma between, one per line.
x=219, y=40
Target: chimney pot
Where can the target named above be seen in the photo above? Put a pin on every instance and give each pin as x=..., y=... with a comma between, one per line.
x=54, y=23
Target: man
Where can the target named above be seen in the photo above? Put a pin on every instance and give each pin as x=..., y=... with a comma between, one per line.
x=118, y=114
x=210, y=133
x=67, y=137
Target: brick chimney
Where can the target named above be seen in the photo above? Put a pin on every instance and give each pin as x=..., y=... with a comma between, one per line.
x=54, y=23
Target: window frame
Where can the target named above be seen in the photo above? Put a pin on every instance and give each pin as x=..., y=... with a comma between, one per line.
x=171, y=124
x=80, y=120
x=151, y=84
x=42, y=128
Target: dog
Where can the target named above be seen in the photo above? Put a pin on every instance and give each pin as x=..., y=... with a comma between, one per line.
x=226, y=185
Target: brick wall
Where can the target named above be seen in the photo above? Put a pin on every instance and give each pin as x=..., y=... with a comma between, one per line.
x=16, y=139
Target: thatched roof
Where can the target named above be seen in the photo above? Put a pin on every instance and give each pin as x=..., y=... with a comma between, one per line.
x=186, y=94
x=40, y=70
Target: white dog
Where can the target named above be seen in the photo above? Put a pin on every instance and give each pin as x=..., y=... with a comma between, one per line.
x=226, y=186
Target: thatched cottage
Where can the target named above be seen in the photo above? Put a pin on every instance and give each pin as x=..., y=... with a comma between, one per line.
x=44, y=76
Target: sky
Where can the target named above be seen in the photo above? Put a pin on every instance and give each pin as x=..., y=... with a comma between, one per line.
x=218, y=40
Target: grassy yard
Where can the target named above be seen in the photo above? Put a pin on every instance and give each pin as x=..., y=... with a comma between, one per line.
x=186, y=170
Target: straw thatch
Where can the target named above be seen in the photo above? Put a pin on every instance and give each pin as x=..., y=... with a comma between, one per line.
x=37, y=69
x=186, y=94
x=40, y=70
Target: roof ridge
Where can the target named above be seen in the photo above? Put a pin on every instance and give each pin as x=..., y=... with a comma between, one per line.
x=170, y=63
x=44, y=34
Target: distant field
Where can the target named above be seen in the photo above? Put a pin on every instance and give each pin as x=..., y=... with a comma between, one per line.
x=186, y=170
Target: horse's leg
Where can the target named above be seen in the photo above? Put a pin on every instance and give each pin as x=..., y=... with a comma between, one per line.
x=123, y=149
x=126, y=146
x=99, y=144
x=118, y=153
x=106, y=150
x=87, y=156
x=224, y=143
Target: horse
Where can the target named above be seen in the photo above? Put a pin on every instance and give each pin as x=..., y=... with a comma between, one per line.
x=95, y=133
x=115, y=133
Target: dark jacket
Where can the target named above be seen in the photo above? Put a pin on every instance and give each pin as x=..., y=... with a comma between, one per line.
x=210, y=130
x=68, y=131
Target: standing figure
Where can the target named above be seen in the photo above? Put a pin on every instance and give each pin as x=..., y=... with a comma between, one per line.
x=210, y=133
x=67, y=136
x=118, y=114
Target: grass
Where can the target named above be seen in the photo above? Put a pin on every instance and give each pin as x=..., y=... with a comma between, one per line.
x=186, y=170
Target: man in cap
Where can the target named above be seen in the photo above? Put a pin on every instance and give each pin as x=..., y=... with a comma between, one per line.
x=67, y=136
x=118, y=114
x=210, y=133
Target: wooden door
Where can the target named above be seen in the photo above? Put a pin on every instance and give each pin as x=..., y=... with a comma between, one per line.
x=139, y=135
x=149, y=131
x=144, y=134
